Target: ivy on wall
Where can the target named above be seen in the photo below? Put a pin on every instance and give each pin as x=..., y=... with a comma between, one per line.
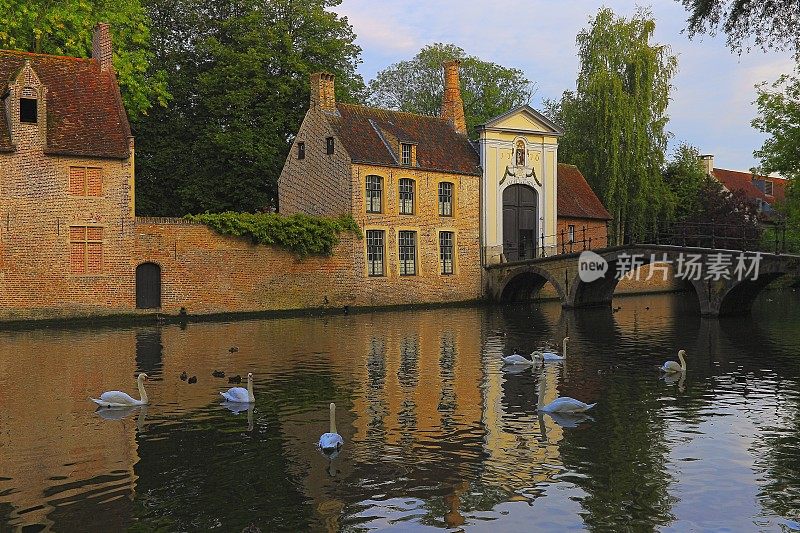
x=302, y=234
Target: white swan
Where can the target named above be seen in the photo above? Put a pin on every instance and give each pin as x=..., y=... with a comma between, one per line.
x=331, y=442
x=564, y=404
x=551, y=356
x=115, y=398
x=517, y=359
x=672, y=366
x=240, y=394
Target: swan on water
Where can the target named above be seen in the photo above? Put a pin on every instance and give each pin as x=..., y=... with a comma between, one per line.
x=672, y=366
x=331, y=442
x=563, y=404
x=552, y=356
x=240, y=394
x=517, y=359
x=115, y=398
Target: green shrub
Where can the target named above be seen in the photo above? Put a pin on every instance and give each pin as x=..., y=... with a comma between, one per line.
x=302, y=234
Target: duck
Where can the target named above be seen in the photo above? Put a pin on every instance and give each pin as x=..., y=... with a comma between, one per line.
x=218, y=374
x=184, y=376
x=235, y=379
x=119, y=399
x=516, y=359
x=240, y=394
x=672, y=366
x=193, y=379
x=552, y=356
x=331, y=441
x=233, y=349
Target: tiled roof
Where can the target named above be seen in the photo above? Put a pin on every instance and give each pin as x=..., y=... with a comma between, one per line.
x=575, y=198
x=373, y=135
x=85, y=115
x=734, y=180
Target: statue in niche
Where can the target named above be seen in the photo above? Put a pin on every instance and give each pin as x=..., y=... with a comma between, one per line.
x=519, y=169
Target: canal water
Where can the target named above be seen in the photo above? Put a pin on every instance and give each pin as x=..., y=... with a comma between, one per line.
x=437, y=434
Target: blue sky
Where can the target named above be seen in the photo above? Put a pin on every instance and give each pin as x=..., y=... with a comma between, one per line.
x=711, y=104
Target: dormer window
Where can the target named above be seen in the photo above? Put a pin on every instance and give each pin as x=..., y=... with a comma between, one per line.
x=301, y=150
x=28, y=112
x=329, y=145
x=405, y=154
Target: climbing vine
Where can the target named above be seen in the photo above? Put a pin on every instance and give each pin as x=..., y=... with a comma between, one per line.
x=302, y=234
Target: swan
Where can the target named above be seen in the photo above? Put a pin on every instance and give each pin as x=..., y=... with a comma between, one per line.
x=240, y=394
x=563, y=404
x=672, y=366
x=551, y=356
x=115, y=398
x=517, y=359
x=331, y=442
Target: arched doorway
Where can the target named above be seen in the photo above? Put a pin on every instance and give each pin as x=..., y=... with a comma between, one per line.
x=148, y=286
x=519, y=222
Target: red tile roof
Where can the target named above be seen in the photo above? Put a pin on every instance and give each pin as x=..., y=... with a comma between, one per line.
x=85, y=116
x=734, y=180
x=373, y=135
x=575, y=198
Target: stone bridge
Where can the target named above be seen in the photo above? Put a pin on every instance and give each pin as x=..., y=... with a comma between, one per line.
x=728, y=283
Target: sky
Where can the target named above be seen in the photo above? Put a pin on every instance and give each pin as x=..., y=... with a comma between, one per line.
x=713, y=94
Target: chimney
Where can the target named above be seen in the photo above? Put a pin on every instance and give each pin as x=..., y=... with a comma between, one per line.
x=322, y=94
x=101, y=45
x=707, y=163
x=452, y=104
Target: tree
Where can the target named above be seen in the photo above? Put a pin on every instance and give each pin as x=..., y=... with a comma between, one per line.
x=65, y=28
x=615, y=119
x=416, y=85
x=685, y=178
x=771, y=23
x=240, y=79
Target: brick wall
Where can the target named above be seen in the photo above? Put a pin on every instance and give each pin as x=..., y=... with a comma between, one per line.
x=595, y=230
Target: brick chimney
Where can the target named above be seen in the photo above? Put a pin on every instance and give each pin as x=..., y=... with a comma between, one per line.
x=101, y=45
x=322, y=94
x=707, y=163
x=452, y=104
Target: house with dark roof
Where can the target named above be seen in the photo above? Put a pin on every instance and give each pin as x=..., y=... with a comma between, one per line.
x=66, y=180
x=765, y=191
x=582, y=218
x=412, y=182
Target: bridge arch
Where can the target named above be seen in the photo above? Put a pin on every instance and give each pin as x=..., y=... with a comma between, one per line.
x=737, y=296
x=522, y=282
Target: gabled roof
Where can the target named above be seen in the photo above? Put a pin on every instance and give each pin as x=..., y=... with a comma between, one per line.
x=552, y=127
x=734, y=180
x=576, y=199
x=85, y=116
x=372, y=136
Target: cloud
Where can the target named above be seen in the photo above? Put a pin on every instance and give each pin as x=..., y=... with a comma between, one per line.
x=712, y=101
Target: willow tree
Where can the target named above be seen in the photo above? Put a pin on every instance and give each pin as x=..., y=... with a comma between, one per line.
x=615, y=119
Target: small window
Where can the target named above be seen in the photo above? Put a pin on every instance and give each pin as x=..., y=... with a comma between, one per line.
x=408, y=253
x=406, y=187
x=374, y=194
x=445, y=199
x=28, y=110
x=329, y=145
x=86, y=249
x=571, y=233
x=520, y=153
x=446, y=252
x=375, y=253
x=768, y=188
x=405, y=154
x=301, y=150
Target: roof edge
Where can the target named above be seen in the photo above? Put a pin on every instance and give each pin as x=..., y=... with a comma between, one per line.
x=527, y=109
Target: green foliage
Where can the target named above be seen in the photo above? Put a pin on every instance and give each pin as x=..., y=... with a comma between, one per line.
x=65, y=28
x=685, y=178
x=771, y=24
x=416, y=85
x=302, y=234
x=615, y=119
x=240, y=79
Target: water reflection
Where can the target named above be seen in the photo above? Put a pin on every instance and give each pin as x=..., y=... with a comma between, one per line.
x=436, y=432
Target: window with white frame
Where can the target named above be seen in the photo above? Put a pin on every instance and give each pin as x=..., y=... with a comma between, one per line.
x=374, y=194
x=407, y=249
x=375, y=252
x=406, y=189
x=446, y=251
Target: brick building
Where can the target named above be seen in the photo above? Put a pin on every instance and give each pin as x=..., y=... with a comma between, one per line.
x=582, y=218
x=764, y=191
x=410, y=181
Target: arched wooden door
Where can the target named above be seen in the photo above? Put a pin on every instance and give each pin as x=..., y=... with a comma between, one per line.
x=148, y=286
x=520, y=204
